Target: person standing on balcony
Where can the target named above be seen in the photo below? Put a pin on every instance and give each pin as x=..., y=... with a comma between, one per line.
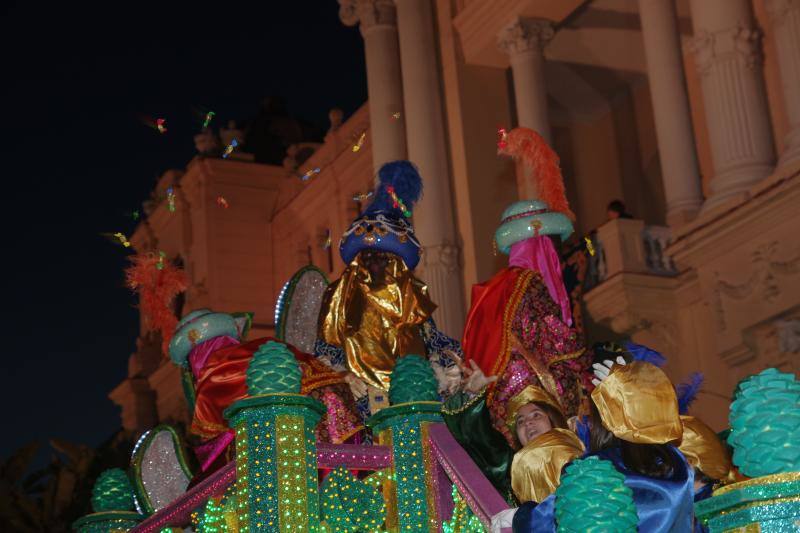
x=530, y=467
x=616, y=209
x=519, y=327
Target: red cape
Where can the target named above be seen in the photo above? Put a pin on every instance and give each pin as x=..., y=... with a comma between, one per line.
x=487, y=334
x=222, y=382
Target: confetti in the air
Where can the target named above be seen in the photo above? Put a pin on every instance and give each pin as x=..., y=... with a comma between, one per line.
x=123, y=240
x=360, y=142
x=230, y=148
x=161, y=125
x=307, y=175
x=207, y=121
x=396, y=115
x=161, y=257
x=589, y=246
x=360, y=197
x=135, y=215
x=222, y=202
x=171, y=200
x=327, y=243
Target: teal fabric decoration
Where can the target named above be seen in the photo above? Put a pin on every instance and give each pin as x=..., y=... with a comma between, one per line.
x=199, y=326
x=273, y=370
x=413, y=381
x=529, y=218
x=593, y=497
x=765, y=424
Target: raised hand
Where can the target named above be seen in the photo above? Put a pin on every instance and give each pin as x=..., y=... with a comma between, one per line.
x=474, y=379
x=601, y=371
x=357, y=385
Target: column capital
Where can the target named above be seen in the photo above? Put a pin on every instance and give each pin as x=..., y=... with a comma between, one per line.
x=369, y=13
x=525, y=35
x=741, y=43
x=443, y=255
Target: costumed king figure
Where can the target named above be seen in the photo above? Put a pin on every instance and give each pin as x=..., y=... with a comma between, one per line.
x=519, y=326
x=378, y=311
x=211, y=346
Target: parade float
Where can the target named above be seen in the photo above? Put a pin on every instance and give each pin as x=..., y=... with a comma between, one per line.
x=360, y=415
x=412, y=476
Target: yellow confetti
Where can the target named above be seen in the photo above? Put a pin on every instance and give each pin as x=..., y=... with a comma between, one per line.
x=123, y=240
x=360, y=142
x=589, y=246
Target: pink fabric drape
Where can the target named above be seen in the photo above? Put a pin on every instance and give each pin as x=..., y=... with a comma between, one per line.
x=199, y=354
x=539, y=254
x=208, y=451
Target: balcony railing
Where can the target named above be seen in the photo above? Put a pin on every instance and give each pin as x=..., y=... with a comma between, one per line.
x=623, y=246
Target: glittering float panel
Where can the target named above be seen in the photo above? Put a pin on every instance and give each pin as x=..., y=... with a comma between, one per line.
x=462, y=520
x=107, y=521
x=389, y=483
x=405, y=425
x=298, y=308
x=477, y=491
x=354, y=456
x=279, y=464
x=179, y=512
x=160, y=466
x=768, y=504
x=351, y=456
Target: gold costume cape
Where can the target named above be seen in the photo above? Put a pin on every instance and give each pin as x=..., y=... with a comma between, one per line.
x=375, y=323
x=536, y=468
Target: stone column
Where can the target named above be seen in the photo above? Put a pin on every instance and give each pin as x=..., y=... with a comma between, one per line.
x=524, y=41
x=679, y=169
x=728, y=56
x=384, y=82
x=434, y=219
x=785, y=17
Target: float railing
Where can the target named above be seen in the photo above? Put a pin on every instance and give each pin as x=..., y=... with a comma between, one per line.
x=329, y=456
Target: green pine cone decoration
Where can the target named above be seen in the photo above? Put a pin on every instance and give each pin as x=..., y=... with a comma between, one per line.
x=593, y=498
x=348, y=504
x=273, y=369
x=413, y=381
x=112, y=492
x=765, y=424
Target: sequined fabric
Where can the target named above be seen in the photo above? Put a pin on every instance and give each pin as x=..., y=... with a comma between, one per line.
x=545, y=352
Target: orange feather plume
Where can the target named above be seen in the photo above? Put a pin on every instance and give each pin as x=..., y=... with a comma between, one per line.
x=157, y=282
x=527, y=145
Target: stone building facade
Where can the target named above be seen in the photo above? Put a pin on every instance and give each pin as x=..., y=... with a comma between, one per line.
x=687, y=110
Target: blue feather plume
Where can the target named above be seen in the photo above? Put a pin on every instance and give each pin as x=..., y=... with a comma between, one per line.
x=687, y=391
x=583, y=432
x=407, y=183
x=643, y=353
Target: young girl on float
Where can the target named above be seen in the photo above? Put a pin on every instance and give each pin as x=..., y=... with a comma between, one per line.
x=541, y=442
x=636, y=426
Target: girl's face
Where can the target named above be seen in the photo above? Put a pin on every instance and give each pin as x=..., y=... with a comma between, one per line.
x=532, y=421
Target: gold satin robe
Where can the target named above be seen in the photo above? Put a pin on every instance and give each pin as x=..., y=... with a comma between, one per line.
x=375, y=323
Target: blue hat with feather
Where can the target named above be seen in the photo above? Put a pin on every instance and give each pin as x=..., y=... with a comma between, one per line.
x=384, y=225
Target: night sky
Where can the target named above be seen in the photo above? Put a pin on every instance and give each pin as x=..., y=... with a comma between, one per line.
x=76, y=160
